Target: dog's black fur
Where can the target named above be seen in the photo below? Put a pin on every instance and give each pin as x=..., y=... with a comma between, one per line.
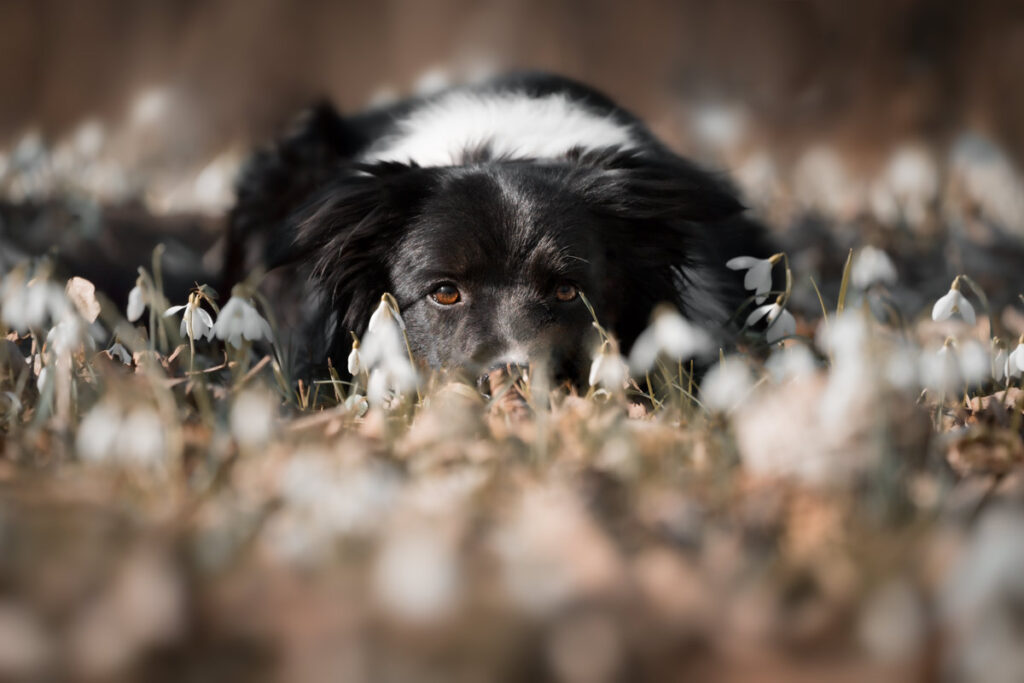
x=630, y=228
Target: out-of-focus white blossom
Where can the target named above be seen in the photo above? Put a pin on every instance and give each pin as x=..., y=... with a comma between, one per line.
x=759, y=274
x=416, y=574
x=240, y=320
x=720, y=126
x=790, y=362
x=988, y=179
x=907, y=186
x=940, y=371
x=974, y=361
x=726, y=385
x=823, y=184
x=108, y=435
x=608, y=370
x=253, y=418
x=953, y=302
x=672, y=335
x=872, y=266
x=781, y=323
x=69, y=335
x=28, y=305
x=196, y=323
x=980, y=598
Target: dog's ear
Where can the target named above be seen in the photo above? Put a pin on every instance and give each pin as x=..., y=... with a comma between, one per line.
x=676, y=227
x=348, y=231
x=663, y=186
x=279, y=179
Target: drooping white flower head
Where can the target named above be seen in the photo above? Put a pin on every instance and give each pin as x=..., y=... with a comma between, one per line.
x=726, y=385
x=953, y=302
x=781, y=323
x=240, y=320
x=609, y=369
x=196, y=323
x=759, y=274
x=137, y=299
x=383, y=354
x=672, y=335
x=872, y=266
x=355, y=362
x=385, y=312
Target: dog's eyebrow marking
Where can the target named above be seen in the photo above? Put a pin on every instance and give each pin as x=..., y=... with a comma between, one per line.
x=508, y=125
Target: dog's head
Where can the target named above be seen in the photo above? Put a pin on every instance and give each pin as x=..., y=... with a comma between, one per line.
x=493, y=262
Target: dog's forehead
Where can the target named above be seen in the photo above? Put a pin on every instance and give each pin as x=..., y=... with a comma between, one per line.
x=502, y=218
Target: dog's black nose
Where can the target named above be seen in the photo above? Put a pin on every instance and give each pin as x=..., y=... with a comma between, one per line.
x=501, y=375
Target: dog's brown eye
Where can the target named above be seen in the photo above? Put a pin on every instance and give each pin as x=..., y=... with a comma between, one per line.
x=566, y=292
x=446, y=295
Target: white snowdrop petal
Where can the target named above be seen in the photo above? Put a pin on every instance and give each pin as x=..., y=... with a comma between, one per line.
x=741, y=262
x=943, y=308
x=966, y=310
x=174, y=309
x=757, y=314
x=136, y=304
x=354, y=364
x=783, y=326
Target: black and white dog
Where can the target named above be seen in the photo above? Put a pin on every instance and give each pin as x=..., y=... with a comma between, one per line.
x=487, y=210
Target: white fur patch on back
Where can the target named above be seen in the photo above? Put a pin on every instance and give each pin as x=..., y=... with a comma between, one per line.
x=512, y=125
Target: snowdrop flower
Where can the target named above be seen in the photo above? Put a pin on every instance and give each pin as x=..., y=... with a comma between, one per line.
x=759, y=273
x=29, y=305
x=1015, y=361
x=118, y=352
x=240, y=320
x=1000, y=360
x=670, y=334
x=389, y=382
x=939, y=370
x=137, y=300
x=872, y=266
x=726, y=385
x=384, y=355
x=195, y=323
x=355, y=362
x=609, y=369
x=68, y=335
x=953, y=302
x=975, y=362
x=781, y=322
x=383, y=314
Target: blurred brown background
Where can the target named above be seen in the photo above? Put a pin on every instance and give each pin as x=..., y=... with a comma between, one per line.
x=863, y=73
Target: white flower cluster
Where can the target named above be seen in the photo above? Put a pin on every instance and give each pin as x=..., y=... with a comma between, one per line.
x=238, y=321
